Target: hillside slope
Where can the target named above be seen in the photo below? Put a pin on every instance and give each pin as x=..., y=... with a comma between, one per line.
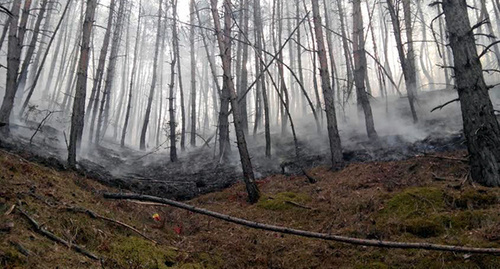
x=423, y=199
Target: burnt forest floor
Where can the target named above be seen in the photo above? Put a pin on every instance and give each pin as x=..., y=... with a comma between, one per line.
x=419, y=199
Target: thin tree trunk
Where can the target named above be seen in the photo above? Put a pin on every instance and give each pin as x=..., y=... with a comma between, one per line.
x=224, y=40
x=408, y=60
x=360, y=68
x=171, y=100
x=132, y=76
x=328, y=94
x=77, y=118
x=153, y=82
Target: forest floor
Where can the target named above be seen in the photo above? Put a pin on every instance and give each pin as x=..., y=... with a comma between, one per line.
x=420, y=199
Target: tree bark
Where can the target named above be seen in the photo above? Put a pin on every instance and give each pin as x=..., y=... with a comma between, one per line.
x=408, y=60
x=171, y=100
x=360, y=68
x=224, y=41
x=481, y=127
x=13, y=62
x=77, y=118
x=193, y=73
x=328, y=94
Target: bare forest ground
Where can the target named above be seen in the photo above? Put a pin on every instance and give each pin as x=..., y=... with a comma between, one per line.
x=421, y=199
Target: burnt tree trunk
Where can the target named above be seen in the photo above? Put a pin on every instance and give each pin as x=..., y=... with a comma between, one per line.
x=360, y=68
x=13, y=62
x=408, y=60
x=77, y=118
x=171, y=97
x=328, y=94
x=481, y=127
x=224, y=41
x=192, y=140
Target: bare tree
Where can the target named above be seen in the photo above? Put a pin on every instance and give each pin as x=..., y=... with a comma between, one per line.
x=77, y=118
x=193, y=73
x=407, y=60
x=171, y=110
x=328, y=94
x=360, y=68
x=481, y=127
x=13, y=62
x=224, y=41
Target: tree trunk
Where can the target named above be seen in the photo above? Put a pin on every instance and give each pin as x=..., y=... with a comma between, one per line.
x=360, y=68
x=132, y=76
x=224, y=40
x=13, y=62
x=260, y=69
x=408, y=60
x=481, y=127
x=328, y=94
x=244, y=70
x=171, y=100
x=77, y=118
x=193, y=73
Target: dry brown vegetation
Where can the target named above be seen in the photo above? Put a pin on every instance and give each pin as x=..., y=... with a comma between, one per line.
x=423, y=199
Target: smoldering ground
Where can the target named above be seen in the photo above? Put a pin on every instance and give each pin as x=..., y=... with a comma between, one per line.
x=200, y=170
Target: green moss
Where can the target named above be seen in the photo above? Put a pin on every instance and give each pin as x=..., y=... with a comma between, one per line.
x=134, y=252
x=424, y=228
x=415, y=202
x=281, y=201
x=463, y=220
x=473, y=199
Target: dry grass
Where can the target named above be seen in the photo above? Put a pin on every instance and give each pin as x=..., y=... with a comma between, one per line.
x=400, y=201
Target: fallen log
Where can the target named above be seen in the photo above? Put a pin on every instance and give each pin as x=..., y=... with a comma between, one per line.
x=286, y=230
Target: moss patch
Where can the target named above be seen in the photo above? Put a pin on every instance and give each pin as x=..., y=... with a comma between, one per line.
x=283, y=201
x=415, y=202
x=133, y=252
x=474, y=199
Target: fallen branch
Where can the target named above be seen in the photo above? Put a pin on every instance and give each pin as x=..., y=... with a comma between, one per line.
x=39, y=229
x=97, y=216
x=285, y=230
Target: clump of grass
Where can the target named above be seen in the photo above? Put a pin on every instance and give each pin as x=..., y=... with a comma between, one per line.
x=283, y=201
